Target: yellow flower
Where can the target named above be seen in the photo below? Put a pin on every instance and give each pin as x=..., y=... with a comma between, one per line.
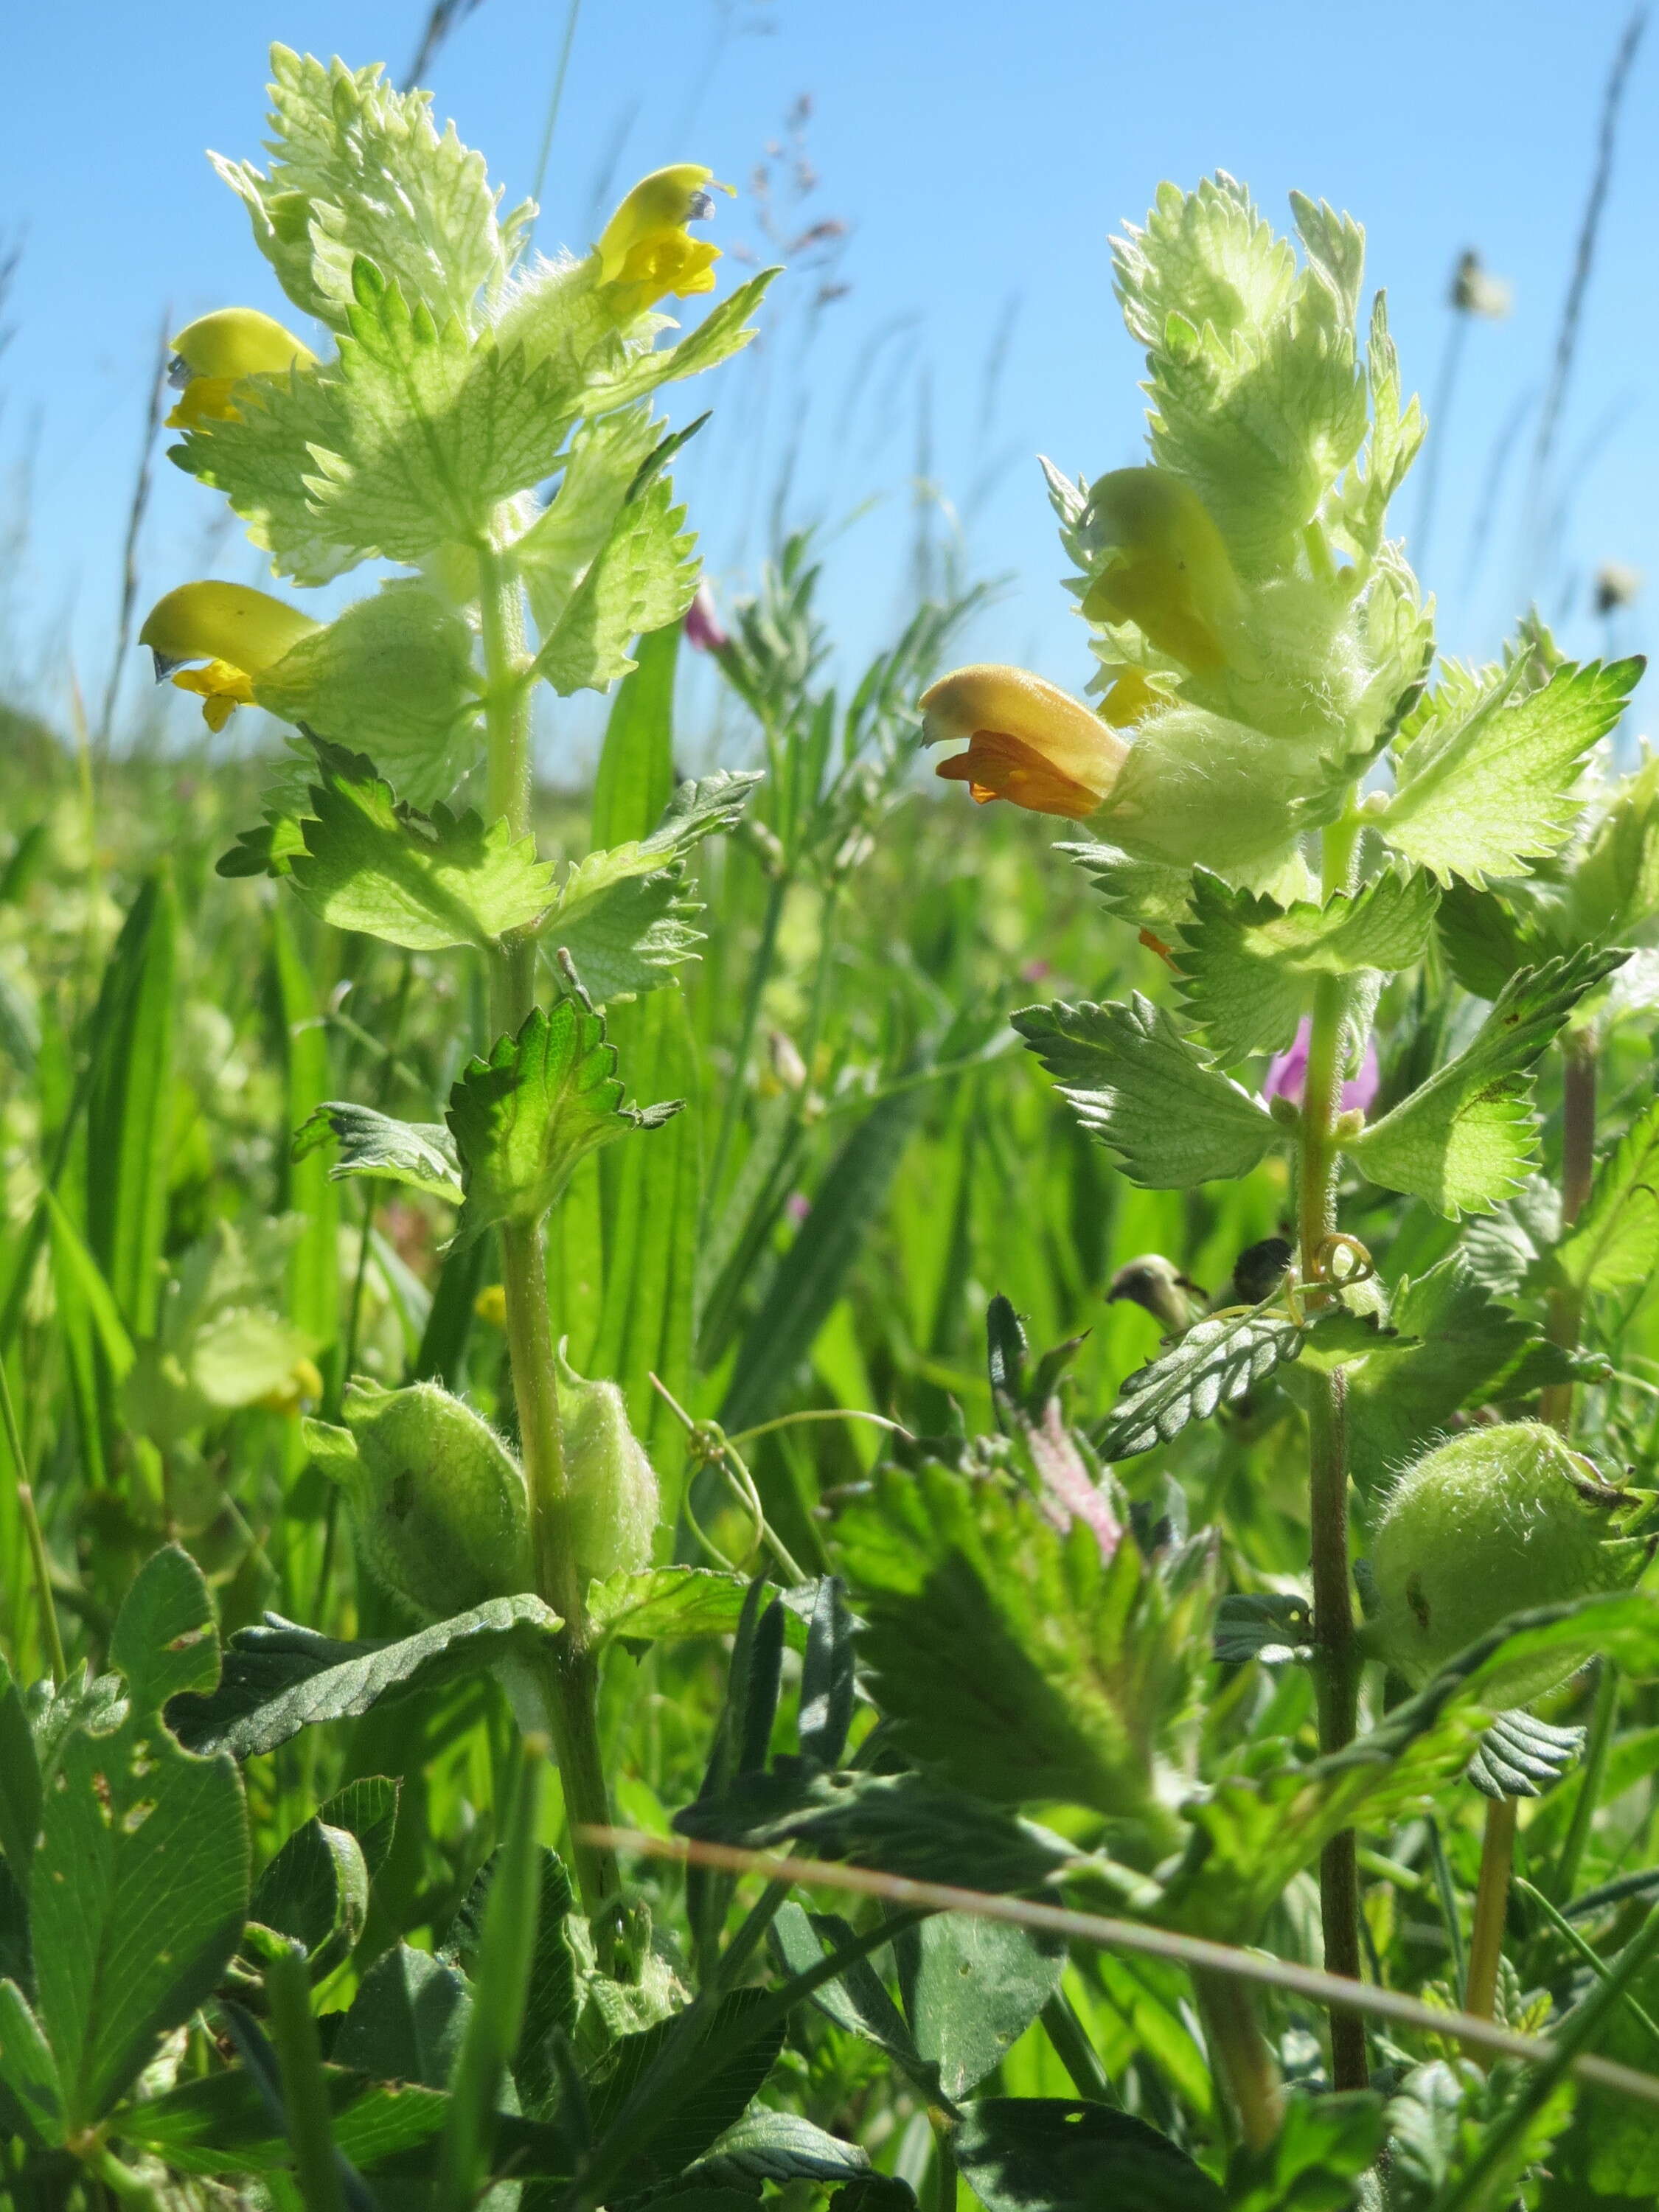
x=646, y=246
x=490, y=1304
x=238, y=632
x=1167, y=569
x=211, y=356
x=1028, y=740
x=303, y=1382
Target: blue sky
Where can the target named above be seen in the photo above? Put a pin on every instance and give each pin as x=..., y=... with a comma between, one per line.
x=980, y=156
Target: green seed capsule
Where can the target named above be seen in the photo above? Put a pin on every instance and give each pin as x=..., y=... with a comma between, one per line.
x=613, y=1488
x=438, y=1502
x=1499, y=1521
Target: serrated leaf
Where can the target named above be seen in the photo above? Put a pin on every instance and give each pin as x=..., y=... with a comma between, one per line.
x=525, y=1118
x=420, y=1154
x=1149, y=894
x=338, y=138
x=1465, y=1139
x=724, y=331
x=279, y=1678
x=621, y=914
x=776, y=2146
x=1485, y=782
x=425, y=881
x=1245, y=962
x=140, y=1880
x=1614, y=1244
x=1139, y=1086
x=1519, y=1756
x=555, y=552
x=1218, y=1362
x=663, y=1603
x=251, y=456
x=391, y=678
x=1271, y=1626
x=642, y=579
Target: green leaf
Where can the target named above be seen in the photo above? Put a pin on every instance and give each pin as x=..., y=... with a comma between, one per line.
x=1273, y=1626
x=1315, y=2162
x=220, y=2124
x=1150, y=895
x=905, y=1824
x=250, y=456
x=279, y=1678
x=20, y=1781
x=315, y=1893
x=1397, y=437
x=423, y=881
x=724, y=331
x=1218, y=1362
x=524, y=1118
x=391, y=678
x=1138, y=1085
x=642, y=579
x=779, y=2146
x=563, y=543
x=1520, y=1756
x=621, y=914
x=1461, y=1347
x=1246, y=963
x=857, y=1999
x=664, y=1603
x=419, y=1153
x=971, y=1988
x=554, y=1997
x=338, y=137
x=130, y=1115
x=407, y=2019
x=997, y=1646
x=1051, y=2155
x=688, y=2122
x=141, y=1876
x=1614, y=1243
x=634, y=784
x=1465, y=1139
x=1615, y=883
x=31, y=2097
x=1486, y=782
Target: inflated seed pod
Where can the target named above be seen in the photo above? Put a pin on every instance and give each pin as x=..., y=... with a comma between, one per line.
x=1497, y=1521
x=438, y=1502
x=613, y=1487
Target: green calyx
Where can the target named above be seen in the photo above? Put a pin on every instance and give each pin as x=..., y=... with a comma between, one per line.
x=611, y=1484
x=438, y=1502
x=1499, y=1521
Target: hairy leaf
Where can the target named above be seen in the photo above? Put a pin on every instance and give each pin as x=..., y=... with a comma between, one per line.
x=423, y=881
x=1216, y=1362
x=279, y=1678
x=1614, y=1243
x=1246, y=963
x=1465, y=1139
x=1485, y=782
x=641, y=580
x=1137, y=1083
x=523, y=1119
x=419, y=1153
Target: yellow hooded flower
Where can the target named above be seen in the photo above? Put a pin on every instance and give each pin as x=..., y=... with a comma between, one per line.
x=238, y=632
x=211, y=356
x=1166, y=568
x=1029, y=741
x=646, y=245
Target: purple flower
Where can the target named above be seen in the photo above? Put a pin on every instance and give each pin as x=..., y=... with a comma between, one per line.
x=702, y=624
x=1287, y=1074
x=797, y=1207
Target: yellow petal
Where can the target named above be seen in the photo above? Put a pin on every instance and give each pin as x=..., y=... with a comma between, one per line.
x=1166, y=568
x=236, y=342
x=230, y=623
x=1027, y=740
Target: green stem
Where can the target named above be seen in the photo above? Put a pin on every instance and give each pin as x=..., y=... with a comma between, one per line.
x=1242, y=2060
x=1338, y=1671
x=571, y=1675
x=305, y=2093
x=1491, y=1899
x=1603, y=1717
x=1075, y=2052
x=759, y=975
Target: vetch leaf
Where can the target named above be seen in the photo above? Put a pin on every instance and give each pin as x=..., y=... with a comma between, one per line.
x=1170, y=1115
x=1053, y=2154
x=542, y=1101
x=971, y=1988
x=279, y=1678
x=1246, y=963
x=420, y=1154
x=315, y=1893
x=693, y=2120
x=1519, y=1756
x=1218, y=1362
x=423, y=881
x=1486, y=782
x=1614, y=1244
x=1465, y=1139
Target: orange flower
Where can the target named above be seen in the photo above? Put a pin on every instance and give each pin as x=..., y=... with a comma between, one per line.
x=1029, y=741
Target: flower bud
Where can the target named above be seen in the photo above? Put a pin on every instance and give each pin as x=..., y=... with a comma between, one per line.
x=1158, y=561
x=212, y=355
x=1496, y=1522
x=240, y=633
x=437, y=1500
x=1027, y=740
x=646, y=247
x=612, y=1488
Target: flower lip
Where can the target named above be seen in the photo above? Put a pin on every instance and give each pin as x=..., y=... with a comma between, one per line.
x=1027, y=740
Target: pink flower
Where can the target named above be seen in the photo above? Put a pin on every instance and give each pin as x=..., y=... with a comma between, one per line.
x=702, y=624
x=1287, y=1074
x=797, y=1207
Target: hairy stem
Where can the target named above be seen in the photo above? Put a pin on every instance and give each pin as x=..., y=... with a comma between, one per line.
x=1338, y=1670
x=571, y=1676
